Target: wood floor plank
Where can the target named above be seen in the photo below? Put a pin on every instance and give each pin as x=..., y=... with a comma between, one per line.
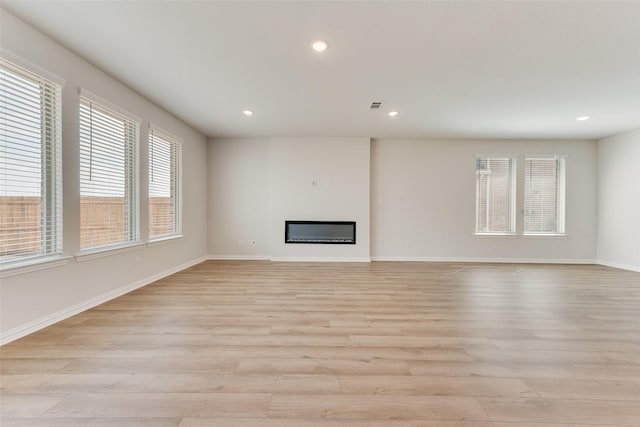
x=288, y=422
x=67, y=351
x=420, y=341
x=235, y=383
x=610, y=371
x=497, y=370
x=170, y=405
x=297, y=422
x=27, y=404
x=376, y=407
x=555, y=356
x=500, y=424
x=98, y=365
x=435, y=386
x=585, y=389
x=568, y=344
x=23, y=364
x=323, y=366
x=93, y=422
x=602, y=412
x=315, y=352
x=62, y=383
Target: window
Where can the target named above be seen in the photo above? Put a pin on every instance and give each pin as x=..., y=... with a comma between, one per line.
x=165, y=185
x=30, y=166
x=495, y=201
x=544, y=195
x=108, y=176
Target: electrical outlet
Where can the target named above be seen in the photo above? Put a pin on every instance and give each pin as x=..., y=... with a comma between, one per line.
x=138, y=261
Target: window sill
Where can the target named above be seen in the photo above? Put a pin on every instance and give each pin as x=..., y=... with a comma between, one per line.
x=514, y=235
x=91, y=254
x=165, y=239
x=36, y=264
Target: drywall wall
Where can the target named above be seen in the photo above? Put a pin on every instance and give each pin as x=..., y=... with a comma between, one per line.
x=31, y=300
x=239, y=199
x=257, y=184
x=423, y=202
x=619, y=201
x=324, y=179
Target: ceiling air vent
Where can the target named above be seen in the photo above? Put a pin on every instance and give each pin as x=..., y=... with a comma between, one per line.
x=375, y=105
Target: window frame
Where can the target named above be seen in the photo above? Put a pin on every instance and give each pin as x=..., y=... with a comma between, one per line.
x=561, y=163
x=50, y=224
x=131, y=179
x=512, y=195
x=176, y=180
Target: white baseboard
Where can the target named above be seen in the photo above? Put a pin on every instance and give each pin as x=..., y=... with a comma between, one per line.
x=402, y=258
x=619, y=265
x=320, y=259
x=283, y=259
x=239, y=257
x=31, y=327
x=486, y=260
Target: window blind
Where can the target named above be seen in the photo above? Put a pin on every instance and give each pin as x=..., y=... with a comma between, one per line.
x=108, y=176
x=494, y=196
x=30, y=166
x=544, y=195
x=165, y=182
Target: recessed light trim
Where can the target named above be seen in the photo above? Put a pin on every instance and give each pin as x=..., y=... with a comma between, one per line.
x=247, y=113
x=393, y=113
x=320, y=45
x=583, y=118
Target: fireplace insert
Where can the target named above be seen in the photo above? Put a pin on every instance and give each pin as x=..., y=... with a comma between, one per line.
x=324, y=232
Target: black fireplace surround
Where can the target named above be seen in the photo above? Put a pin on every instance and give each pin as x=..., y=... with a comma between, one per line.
x=322, y=232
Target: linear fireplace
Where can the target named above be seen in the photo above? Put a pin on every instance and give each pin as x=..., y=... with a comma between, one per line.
x=325, y=232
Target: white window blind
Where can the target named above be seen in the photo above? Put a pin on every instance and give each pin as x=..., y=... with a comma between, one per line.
x=165, y=185
x=108, y=176
x=544, y=195
x=30, y=165
x=495, y=196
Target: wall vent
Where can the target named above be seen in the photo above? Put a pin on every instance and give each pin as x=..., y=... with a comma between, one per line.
x=375, y=105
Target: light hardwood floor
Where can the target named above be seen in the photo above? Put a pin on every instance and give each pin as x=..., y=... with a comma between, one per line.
x=381, y=344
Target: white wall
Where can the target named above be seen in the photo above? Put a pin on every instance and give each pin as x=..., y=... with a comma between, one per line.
x=239, y=198
x=619, y=201
x=423, y=202
x=257, y=184
x=31, y=300
x=324, y=179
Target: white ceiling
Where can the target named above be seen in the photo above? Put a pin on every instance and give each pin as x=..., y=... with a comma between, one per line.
x=477, y=69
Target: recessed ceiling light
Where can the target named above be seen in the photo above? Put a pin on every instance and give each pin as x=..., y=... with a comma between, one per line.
x=320, y=45
x=393, y=113
x=582, y=118
x=247, y=112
